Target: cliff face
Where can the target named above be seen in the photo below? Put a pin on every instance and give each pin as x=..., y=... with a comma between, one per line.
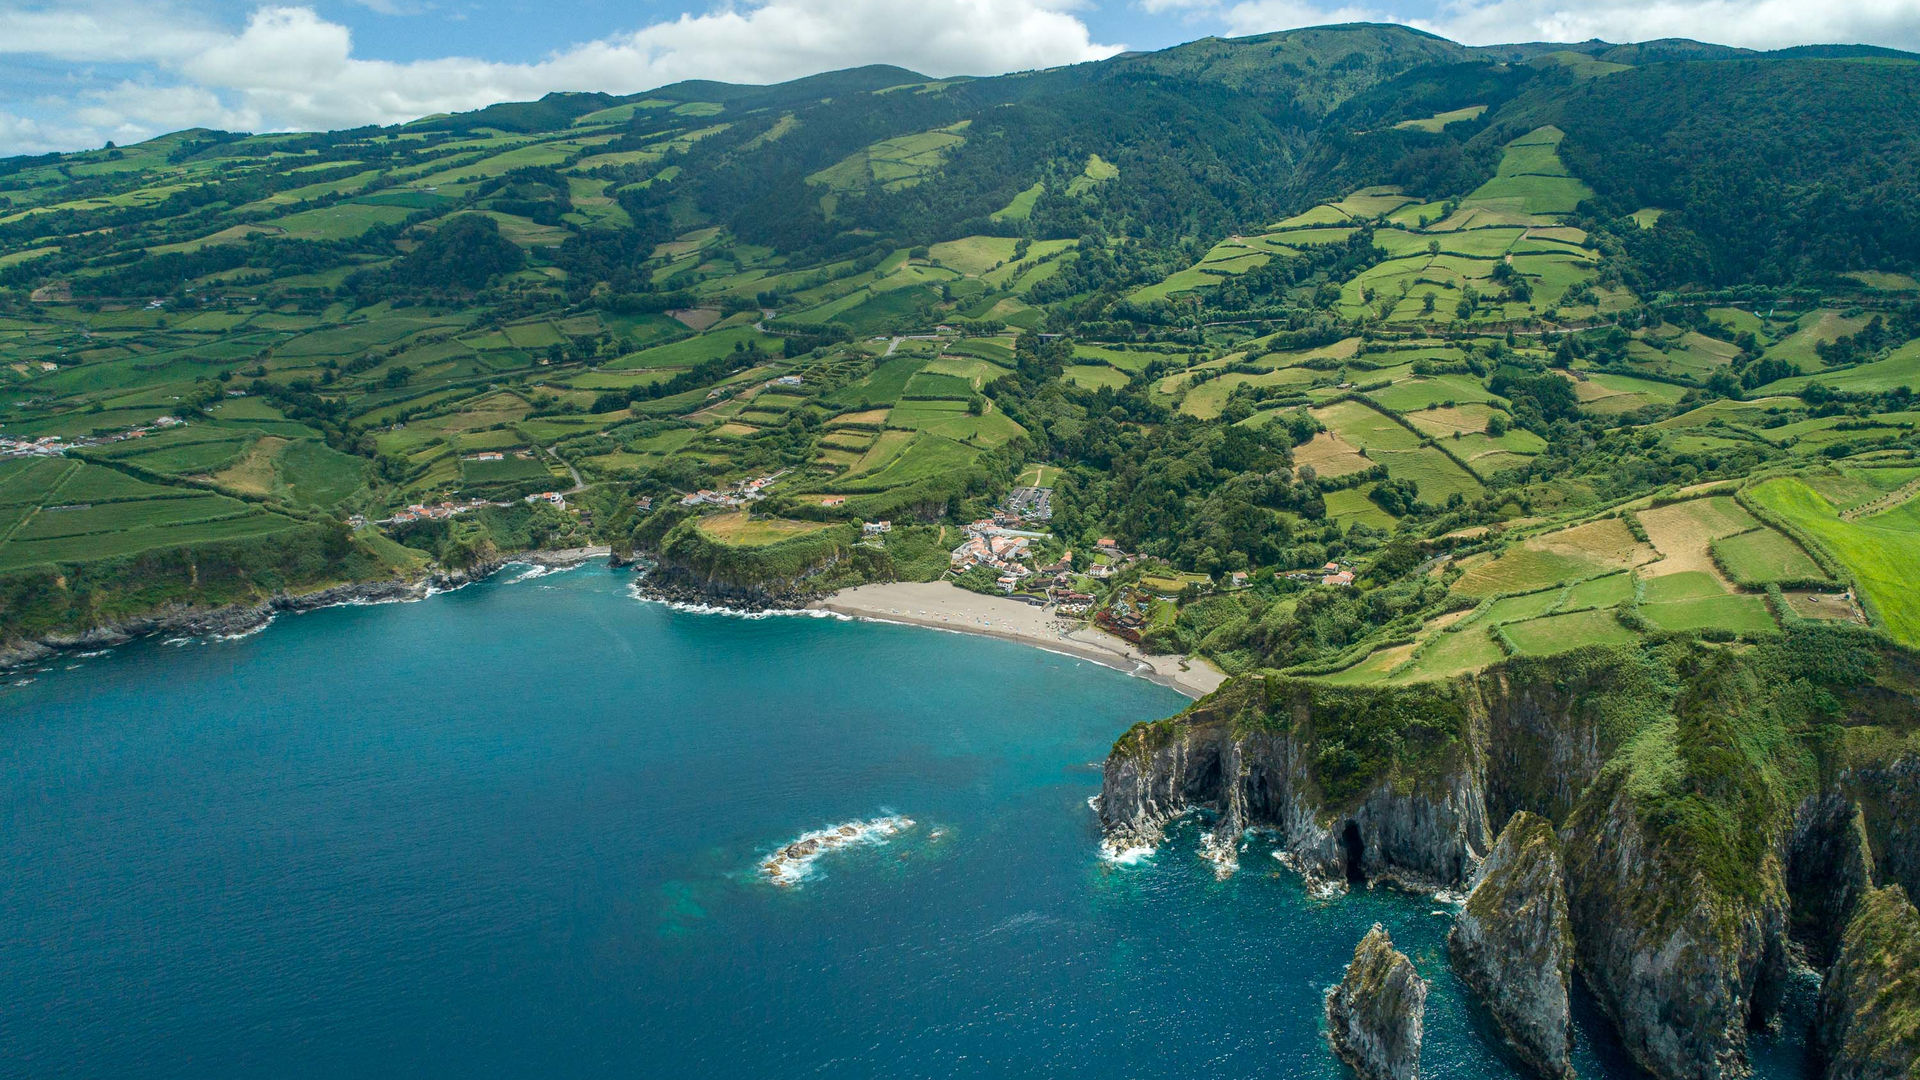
x=1357, y=784
x=1720, y=813
x=692, y=566
x=1256, y=754
x=1869, y=1025
x=1513, y=945
x=1377, y=1014
x=1679, y=965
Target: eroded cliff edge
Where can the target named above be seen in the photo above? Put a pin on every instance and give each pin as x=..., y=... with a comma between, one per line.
x=1721, y=811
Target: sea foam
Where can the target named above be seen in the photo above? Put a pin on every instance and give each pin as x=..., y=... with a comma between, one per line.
x=794, y=862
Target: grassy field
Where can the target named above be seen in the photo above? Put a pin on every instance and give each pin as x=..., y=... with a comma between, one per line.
x=1554, y=558
x=1435, y=475
x=740, y=529
x=1762, y=557
x=1561, y=633
x=1878, y=551
x=1364, y=427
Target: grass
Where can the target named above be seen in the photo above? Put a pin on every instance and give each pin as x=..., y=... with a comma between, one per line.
x=1366, y=427
x=1433, y=124
x=882, y=386
x=135, y=537
x=892, y=164
x=1877, y=551
x=1415, y=394
x=1738, y=613
x=1435, y=475
x=1330, y=456
x=1021, y=208
x=1762, y=557
x=927, y=456
x=740, y=529
x=1351, y=505
x=1448, y=654
x=1525, y=606
x=1564, y=633
x=508, y=469
x=1557, y=558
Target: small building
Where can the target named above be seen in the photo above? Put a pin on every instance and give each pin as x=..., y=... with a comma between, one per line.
x=876, y=528
x=1238, y=579
x=834, y=500
x=1343, y=577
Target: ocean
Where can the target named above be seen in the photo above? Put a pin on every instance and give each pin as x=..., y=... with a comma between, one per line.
x=517, y=830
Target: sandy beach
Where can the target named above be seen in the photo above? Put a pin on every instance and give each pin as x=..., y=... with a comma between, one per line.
x=944, y=607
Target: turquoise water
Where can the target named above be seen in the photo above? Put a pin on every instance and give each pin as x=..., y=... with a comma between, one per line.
x=513, y=830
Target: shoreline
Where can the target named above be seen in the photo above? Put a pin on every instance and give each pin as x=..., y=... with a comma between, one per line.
x=940, y=606
x=237, y=620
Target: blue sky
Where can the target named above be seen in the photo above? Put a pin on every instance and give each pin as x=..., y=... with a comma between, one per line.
x=75, y=73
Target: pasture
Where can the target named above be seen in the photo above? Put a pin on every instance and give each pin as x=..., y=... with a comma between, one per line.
x=1877, y=551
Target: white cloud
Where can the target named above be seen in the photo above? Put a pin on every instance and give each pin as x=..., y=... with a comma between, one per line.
x=291, y=68
x=1756, y=24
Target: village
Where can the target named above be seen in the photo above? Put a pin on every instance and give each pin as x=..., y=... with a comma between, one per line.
x=736, y=495
x=55, y=446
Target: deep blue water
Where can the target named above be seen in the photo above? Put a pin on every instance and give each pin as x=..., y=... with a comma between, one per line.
x=512, y=830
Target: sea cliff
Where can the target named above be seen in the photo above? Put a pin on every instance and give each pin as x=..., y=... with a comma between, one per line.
x=183, y=619
x=1685, y=783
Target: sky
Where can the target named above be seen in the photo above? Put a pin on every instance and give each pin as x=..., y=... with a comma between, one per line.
x=77, y=73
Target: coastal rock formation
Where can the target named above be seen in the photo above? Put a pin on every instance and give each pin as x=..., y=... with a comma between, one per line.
x=1869, y=1024
x=1513, y=945
x=790, y=864
x=1721, y=814
x=1683, y=948
x=1829, y=867
x=688, y=566
x=1377, y=1013
x=1253, y=753
x=183, y=620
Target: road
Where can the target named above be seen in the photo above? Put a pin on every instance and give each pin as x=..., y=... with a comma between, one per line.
x=578, y=483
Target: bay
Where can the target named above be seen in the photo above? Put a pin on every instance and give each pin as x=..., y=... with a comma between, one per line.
x=515, y=830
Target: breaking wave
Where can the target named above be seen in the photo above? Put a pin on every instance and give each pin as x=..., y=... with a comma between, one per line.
x=793, y=863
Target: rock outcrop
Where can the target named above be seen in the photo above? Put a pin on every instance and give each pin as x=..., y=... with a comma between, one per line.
x=1513, y=945
x=1377, y=1013
x=1869, y=1023
x=1681, y=958
x=1255, y=754
x=1829, y=867
x=184, y=620
x=1721, y=815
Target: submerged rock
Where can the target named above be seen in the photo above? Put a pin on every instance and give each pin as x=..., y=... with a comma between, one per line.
x=1869, y=1026
x=1513, y=945
x=790, y=864
x=1376, y=1015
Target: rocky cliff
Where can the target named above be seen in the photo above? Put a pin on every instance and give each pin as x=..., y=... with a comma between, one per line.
x=199, y=621
x=1720, y=811
x=689, y=565
x=1291, y=756
x=1869, y=1025
x=1513, y=945
x=1377, y=1014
